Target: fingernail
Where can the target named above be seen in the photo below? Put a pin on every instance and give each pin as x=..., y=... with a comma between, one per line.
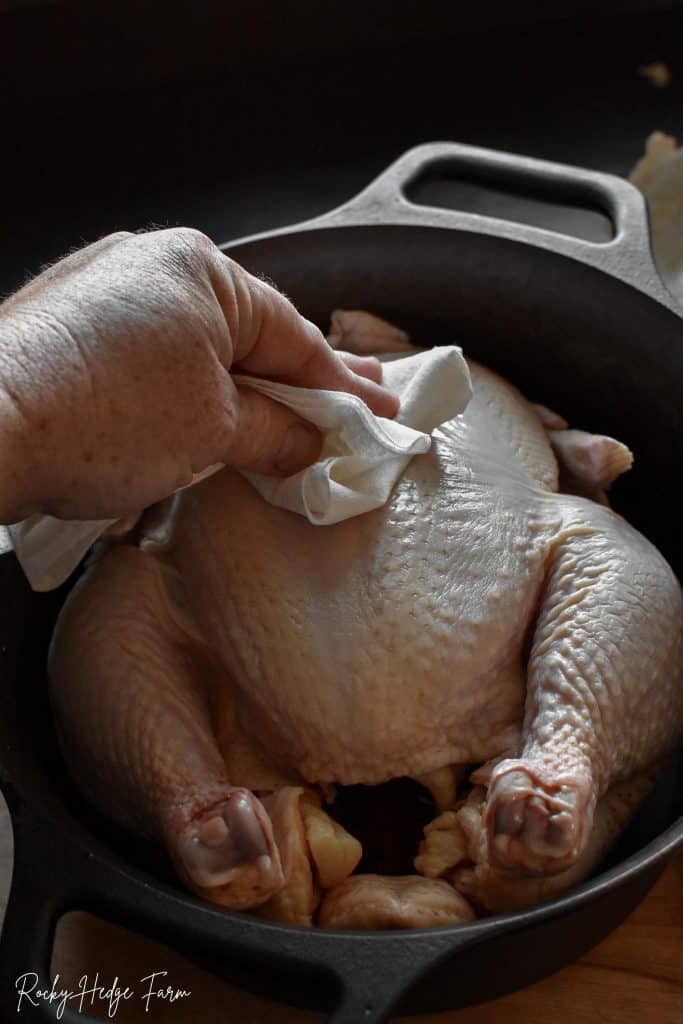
x=300, y=447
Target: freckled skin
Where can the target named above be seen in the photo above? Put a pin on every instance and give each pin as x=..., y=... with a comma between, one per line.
x=388, y=645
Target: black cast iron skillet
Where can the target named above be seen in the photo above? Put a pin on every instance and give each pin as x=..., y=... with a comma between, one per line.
x=589, y=330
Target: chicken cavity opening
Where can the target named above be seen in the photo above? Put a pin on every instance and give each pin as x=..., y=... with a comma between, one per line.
x=388, y=820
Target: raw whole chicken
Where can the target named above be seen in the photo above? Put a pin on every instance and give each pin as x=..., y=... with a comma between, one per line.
x=220, y=672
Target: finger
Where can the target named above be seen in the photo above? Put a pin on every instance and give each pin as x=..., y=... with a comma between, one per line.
x=266, y=437
x=271, y=339
x=365, y=366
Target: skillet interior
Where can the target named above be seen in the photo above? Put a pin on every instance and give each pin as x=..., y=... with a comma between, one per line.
x=602, y=354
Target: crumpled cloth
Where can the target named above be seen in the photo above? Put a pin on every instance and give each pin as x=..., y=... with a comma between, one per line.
x=362, y=457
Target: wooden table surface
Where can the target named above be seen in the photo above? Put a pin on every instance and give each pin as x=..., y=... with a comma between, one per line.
x=635, y=976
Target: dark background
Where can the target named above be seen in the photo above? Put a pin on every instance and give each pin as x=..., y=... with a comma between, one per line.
x=237, y=117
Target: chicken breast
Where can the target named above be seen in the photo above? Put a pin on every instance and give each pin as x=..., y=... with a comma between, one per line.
x=218, y=670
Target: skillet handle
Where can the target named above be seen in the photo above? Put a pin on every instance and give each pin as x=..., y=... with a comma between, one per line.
x=627, y=256
x=36, y=899
x=373, y=982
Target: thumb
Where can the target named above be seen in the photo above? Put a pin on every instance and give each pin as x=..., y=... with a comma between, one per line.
x=266, y=437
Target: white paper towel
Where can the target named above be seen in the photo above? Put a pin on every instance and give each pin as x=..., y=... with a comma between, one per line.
x=363, y=456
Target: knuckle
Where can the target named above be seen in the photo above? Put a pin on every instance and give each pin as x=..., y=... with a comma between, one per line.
x=199, y=237
x=191, y=238
x=251, y=427
x=186, y=249
x=229, y=421
x=117, y=236
x=230, y=268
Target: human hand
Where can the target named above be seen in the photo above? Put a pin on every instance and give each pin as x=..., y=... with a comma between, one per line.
x=115, y=385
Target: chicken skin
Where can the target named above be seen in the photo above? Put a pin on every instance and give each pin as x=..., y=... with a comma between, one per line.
x=219, y=672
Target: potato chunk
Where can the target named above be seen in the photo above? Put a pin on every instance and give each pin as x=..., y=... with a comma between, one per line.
x=335, y=853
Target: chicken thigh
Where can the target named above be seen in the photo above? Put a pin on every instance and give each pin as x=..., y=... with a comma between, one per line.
x=217, y=673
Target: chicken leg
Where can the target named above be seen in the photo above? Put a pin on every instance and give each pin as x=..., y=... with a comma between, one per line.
x=603, y=690
x=455, y=849
x=129, y=689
